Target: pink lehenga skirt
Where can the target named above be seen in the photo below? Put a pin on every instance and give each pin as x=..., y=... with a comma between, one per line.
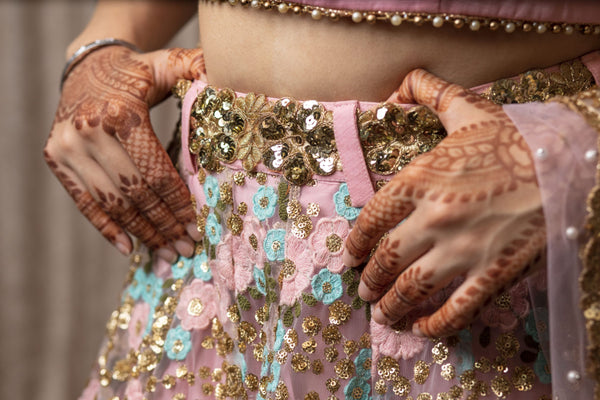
x=265, y=308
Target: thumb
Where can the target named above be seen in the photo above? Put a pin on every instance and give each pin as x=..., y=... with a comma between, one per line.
x=422, y=87
x=173, y=64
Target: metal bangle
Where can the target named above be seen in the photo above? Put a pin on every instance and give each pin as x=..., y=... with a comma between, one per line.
x=86, y=49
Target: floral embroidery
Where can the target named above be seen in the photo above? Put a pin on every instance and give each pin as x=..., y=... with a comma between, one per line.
x=506, y=310
x=464, y=351
x=363, y=364
x=542, y=369
x=327, y=286
x=537, y=328
x=253, y=235
x=152, y=289
x=274, y=244
x=222, y=265
x=181, y=267
x=197, y=305
x=138, y=324
x=136, y=288
x=201, y=268
x=343, y=204
x=327, y=242
x=264, y=202
x=211, y=191
x=261, y=281
x=399, y=344
x=357, y=389
x=178, y=343
x=243, y=264
x=213, y=229
x=296, y=271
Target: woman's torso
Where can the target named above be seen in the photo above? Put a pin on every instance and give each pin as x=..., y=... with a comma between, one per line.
x=293, y=55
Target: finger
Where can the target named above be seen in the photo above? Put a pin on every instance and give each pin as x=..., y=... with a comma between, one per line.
x=384, y=211
x=422, y=87
x=395, y=253
x=88, y=206
x=429, y=274
x=158, y=172
x=174, y=64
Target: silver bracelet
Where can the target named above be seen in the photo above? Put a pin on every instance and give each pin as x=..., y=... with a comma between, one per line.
x=86, y=49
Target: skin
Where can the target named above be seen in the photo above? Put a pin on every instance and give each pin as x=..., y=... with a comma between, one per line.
x=474, y=199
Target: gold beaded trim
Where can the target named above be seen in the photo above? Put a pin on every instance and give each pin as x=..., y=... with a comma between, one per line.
x=588, y=105
x=435, y=19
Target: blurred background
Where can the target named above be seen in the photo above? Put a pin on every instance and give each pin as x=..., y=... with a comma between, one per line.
x=59, y=279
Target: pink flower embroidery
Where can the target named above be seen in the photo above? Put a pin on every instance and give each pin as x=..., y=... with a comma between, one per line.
x=222, y=266
x=197, y=305
x=327, y=243
x=506, y=310
x=91, y=390
x=296, y=270
x=137, y=324
x=134, y=390
x=395, y=343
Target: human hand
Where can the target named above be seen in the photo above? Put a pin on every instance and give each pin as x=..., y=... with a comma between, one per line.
x=472, y=209
x=104, y=151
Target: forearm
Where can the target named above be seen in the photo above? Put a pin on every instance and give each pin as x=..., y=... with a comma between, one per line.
x=149, y=24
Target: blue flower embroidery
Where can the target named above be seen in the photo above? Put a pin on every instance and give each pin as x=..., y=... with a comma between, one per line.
x=178, y=343
x=264, y=202
x=274, y=244
x=341, y=198
x=213, y=229
x=532, y=325
x=152, y=290
x=138, y=284
x=211, y=191
x=201, y=268
x=261, y=281
x=181, y=267
x=357, y=389
x=363, y=364
x=327, y=286
x=276, y=371
x=541, y=368
x=465, y=352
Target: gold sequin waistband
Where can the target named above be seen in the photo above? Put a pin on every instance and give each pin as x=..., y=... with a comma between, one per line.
x=437, y=20
x=297, y=138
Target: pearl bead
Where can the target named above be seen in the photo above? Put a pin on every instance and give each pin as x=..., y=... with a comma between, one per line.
x=569, y=29
x=396, y=20
x=541, y=154
x=254, y=4
x=475, y=25
x=571, y=233
x=357, y=16
x=541, y=28
x=438, y=22
x=591, y=155
x=316, y=14
x=282, y=8
x=510, y=27
x=573, y=376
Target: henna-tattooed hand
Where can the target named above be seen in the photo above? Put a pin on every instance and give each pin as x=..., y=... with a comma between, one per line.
x=103, y=150
x=472, y=209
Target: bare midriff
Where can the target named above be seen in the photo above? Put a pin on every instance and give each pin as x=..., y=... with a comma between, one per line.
x=291, y=55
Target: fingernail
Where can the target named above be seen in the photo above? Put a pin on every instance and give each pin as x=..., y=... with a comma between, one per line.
x=379, y=317
x=349, y=260
x=167, y=254
x=185, y=247
x=364, y=292
x=192, y=230
x=122, y=244
x=416, y=331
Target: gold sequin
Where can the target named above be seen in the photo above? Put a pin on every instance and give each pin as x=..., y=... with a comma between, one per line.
x=332, y=385
x=281, y=392
x=288, y=269
x=313, y=210
x=344, y=368
x=151, y=384
x=181, y=372
x=331, y=335
x=261, y=178
x=311, y=325
x=339, y=312
x=483, y=364
x=448, y=372
x=522, y=378
x=424, y=396
x=380, y=386
x=401, y=386
x=500, y=387
x=168, y=381
x=239, y=178
x=421, y=371
x=179, y=396
x=365, y=341
x=310, y=346
x=235, y=224
x=439, y=353
x=290, y=340
x=302, y=226
x=226, y=193
x=233, y=313
x=507, y=345
x=207, y=389
x=388, y=368
x=246, y=332
x=333, y=243
x=294, y=209
x=317, y=367
x=467, y=380
x=351, y=347
x=300, y=363
x=251, y=382
x=195, y=307
x=261, y=315
x=253, y=241
x=242, y=208
x=311, y=396
x=331, y=354
x=503, y=302
x=204, y=372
